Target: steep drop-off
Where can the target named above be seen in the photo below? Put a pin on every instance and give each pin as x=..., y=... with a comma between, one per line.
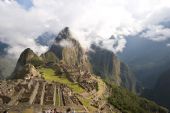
x=25, y=65
x=69, y=50
x=161, y=92
x=106, y=64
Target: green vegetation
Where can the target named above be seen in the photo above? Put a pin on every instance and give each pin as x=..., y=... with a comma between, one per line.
x=87, y=103
x=57, y=100
x=49, y=75
x=36, y=61
x=128, y=102
x=97, y=87
x=49, y=57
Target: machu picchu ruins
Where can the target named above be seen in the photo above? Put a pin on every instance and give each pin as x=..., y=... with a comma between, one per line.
x=21, y=94
x=69, y=79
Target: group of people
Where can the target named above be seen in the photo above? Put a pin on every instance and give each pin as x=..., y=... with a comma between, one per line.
x=57, y=111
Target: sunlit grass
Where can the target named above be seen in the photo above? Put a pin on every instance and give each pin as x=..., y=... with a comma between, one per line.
x=30, y=110
x=57, y=100
x=87, y=104
x=49, y=75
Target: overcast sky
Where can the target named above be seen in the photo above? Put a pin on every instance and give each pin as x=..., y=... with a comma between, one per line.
x=91, y=21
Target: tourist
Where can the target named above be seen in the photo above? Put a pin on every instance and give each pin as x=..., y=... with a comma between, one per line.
x=68, y=110
x=5, y=112
x=74, y=111
x=56, y=111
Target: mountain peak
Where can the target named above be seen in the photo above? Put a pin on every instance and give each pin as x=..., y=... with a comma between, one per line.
x=25, y=57
x=28, y=50
x=27, y=60
x=66, y=29
x=64, y=34
x=26, y=54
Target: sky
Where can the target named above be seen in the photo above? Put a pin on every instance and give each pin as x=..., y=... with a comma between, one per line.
x=106, y=23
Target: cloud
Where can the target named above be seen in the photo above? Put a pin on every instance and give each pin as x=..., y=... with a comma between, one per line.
x=90, y=20
x=157, y=33
x=65, y=43
x=168, y=45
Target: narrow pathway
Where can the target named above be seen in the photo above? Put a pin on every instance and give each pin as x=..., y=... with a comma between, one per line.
x=101, y=87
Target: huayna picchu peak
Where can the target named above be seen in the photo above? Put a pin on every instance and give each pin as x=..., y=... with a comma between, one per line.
x=68, y=79
x=69, y=50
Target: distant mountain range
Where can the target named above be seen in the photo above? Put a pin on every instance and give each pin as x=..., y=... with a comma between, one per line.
x=147, y=59
x=161, y=92
x=46, y=39
x=150, y=61
x=3, y=47
x=7, y=64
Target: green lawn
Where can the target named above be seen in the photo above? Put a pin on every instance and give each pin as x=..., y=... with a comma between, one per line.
x=87, y=103
x=57, y=100
x=49, y=75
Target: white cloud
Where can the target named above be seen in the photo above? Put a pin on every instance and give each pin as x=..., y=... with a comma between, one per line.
x=90, y=20
x=157, y=33
x=168, y=45
x=65, y=43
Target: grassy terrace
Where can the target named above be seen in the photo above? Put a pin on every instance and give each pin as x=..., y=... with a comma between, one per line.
x=49, y=75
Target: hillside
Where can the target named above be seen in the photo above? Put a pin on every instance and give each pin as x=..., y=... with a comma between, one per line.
x=66, y=77
x=78, y=88
x=160, y=93
x=58, y=87
x=7, y=63
x=128, y=102
x=100, y=61
x=146, y=58
x=106, y=64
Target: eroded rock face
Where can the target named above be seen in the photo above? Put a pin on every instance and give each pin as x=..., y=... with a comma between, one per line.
x=99, y=61
x=25, y=57
x=106, y=64
x=24, y=67
x=28, y=71
x=69, y=50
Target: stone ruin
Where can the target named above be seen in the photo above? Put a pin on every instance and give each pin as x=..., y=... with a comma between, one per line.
x=80, y=76
x=68, y=97
x=36, y=92
x=89, y=85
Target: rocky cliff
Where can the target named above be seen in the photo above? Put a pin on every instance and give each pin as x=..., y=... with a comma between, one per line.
x=69, y=51
x=161, y=92
x=68, y=75
x=25, y=65
x=99, y=61
x=106, y=64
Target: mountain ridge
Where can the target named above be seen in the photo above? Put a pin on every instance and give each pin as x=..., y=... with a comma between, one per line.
x=74, y=74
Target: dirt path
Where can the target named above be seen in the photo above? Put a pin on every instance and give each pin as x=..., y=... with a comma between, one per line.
x=101, y=87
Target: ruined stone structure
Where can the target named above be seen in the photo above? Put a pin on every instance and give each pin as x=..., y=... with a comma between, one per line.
x=80, y=76
x=19, y=94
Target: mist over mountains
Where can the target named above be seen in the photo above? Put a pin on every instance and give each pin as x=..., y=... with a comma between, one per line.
x=125, y=42
x=148, y=59
x=7, y=63
x=97, y=72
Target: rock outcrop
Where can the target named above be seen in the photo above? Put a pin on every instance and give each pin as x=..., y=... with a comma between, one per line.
x=69, y=51
x=106, y=64
x=25, y=65
x=101, y=61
